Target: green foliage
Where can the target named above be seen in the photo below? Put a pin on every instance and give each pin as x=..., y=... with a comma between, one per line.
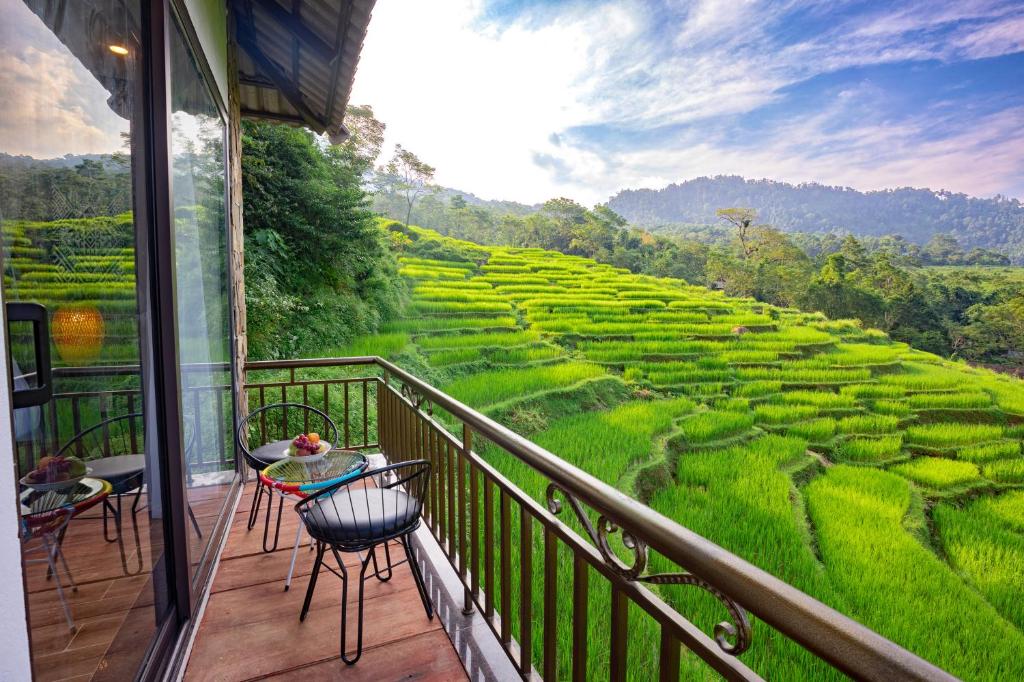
x=317, y=268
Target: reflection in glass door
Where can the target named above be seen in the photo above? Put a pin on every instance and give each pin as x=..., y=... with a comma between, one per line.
x=71, y=142
x=202, y=294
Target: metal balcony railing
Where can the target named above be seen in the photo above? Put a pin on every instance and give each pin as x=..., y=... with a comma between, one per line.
x=534, y=570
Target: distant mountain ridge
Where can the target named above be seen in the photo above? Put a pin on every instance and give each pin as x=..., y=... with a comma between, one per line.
x=915, y=214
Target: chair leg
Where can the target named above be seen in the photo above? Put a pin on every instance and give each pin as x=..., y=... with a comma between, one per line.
x=418, y=578
x=52, y=551
x=195, y=524
x=320, y=549
x=116, y=513
x=266, y=522
x=344, y=608
x=377, y=573
x=295, y=554
x=254, y=511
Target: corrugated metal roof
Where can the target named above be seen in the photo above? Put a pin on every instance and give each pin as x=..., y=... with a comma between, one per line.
x=298, y=59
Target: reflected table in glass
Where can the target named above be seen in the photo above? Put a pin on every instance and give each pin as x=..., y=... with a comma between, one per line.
x=298, y=477
x=45, y=515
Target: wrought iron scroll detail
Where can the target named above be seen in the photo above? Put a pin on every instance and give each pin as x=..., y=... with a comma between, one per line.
x=416, y=398
x=733, y=636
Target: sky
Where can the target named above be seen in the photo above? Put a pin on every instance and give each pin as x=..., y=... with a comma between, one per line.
x=530, y=100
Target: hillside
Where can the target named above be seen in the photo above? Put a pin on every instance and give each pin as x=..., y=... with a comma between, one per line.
x=915, y=214
x=882, y=480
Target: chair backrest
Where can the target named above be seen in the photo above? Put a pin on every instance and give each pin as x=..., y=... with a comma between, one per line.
x=371, y=508
x=281, y=421
x=121, y=435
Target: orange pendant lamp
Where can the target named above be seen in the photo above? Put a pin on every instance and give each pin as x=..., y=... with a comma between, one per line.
x=78, y=333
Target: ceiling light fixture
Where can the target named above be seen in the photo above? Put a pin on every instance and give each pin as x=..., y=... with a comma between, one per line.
x=119, y=50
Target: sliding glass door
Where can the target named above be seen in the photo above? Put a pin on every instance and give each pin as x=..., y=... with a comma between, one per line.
x=113, y=216
x=202, y=291
x=72, y=209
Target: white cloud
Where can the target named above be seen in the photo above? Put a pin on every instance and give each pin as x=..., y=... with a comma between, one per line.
x=494, y=108
x=50, y=105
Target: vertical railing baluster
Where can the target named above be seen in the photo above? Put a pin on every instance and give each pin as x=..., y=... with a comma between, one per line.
x=305, y=413
x=668, y=658
x=488, y=548
x=550, y=604
x=580, y=588
x=197, y=431
x=439, y=515
x=467, y=448
x=55, y=427
x=467, y=602
x=474, y=522
x=102, y=400
x=366, y=432
x=442, y=516
x=619, y=639
x=263, y=417
x=221, y=449
x=133, y=434
x=452, y=530
x=327, y=405
x=76, y=422
x=347, y=440
x=284, y=424
x=525, y=591
x=505, y=516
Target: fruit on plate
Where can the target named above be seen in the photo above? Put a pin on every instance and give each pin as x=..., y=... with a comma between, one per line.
x=305, y=445
x=56, y=470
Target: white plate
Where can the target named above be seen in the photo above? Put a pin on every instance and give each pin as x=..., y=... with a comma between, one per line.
x=325, y=447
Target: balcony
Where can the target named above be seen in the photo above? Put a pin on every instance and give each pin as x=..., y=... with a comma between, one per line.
x=567, y=578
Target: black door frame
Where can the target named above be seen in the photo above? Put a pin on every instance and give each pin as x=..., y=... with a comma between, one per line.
x=163, y=398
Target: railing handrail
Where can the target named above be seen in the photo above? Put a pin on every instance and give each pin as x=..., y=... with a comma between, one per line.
x=841, y=641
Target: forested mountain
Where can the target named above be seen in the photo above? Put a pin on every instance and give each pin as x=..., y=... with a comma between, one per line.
x=915, y=214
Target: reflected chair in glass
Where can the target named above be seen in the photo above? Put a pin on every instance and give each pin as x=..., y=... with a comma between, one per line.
x=113, y=451
x=263, y=436
x=360, y=515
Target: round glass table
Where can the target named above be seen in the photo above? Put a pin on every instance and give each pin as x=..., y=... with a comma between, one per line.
x=298, y=477
x=45, y=515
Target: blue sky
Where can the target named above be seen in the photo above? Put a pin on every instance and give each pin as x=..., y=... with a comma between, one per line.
x=528, y=100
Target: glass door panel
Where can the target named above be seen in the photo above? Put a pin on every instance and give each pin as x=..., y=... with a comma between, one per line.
x=201, y=268
x=71, y=144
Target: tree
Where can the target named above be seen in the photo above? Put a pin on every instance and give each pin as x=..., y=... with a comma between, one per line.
x=314, y=255
x=409, y=177
x=741, y=219
x=366, y=136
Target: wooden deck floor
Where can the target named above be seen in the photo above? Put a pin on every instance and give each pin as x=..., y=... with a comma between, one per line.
x=113, y=606
x=251, y=630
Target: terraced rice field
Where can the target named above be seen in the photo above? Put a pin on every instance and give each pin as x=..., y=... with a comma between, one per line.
x=77, y=264
x=881, y=480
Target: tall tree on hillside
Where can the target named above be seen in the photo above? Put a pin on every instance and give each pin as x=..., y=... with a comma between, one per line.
x=409, y=177
x=742, y=219
x=366, y=136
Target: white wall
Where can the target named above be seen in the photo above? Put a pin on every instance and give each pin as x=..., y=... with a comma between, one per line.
x=15, y=663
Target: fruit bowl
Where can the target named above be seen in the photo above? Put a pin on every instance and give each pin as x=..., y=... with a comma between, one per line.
x=55, y=473
x=299, y=451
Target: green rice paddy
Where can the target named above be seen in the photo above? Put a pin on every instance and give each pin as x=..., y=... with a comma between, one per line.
x=825, y=453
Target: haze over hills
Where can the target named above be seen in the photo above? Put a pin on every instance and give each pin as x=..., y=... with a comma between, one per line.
x=915, y=214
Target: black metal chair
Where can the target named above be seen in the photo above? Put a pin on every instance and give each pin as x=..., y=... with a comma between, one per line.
x=263, y=436
x=355, y=516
